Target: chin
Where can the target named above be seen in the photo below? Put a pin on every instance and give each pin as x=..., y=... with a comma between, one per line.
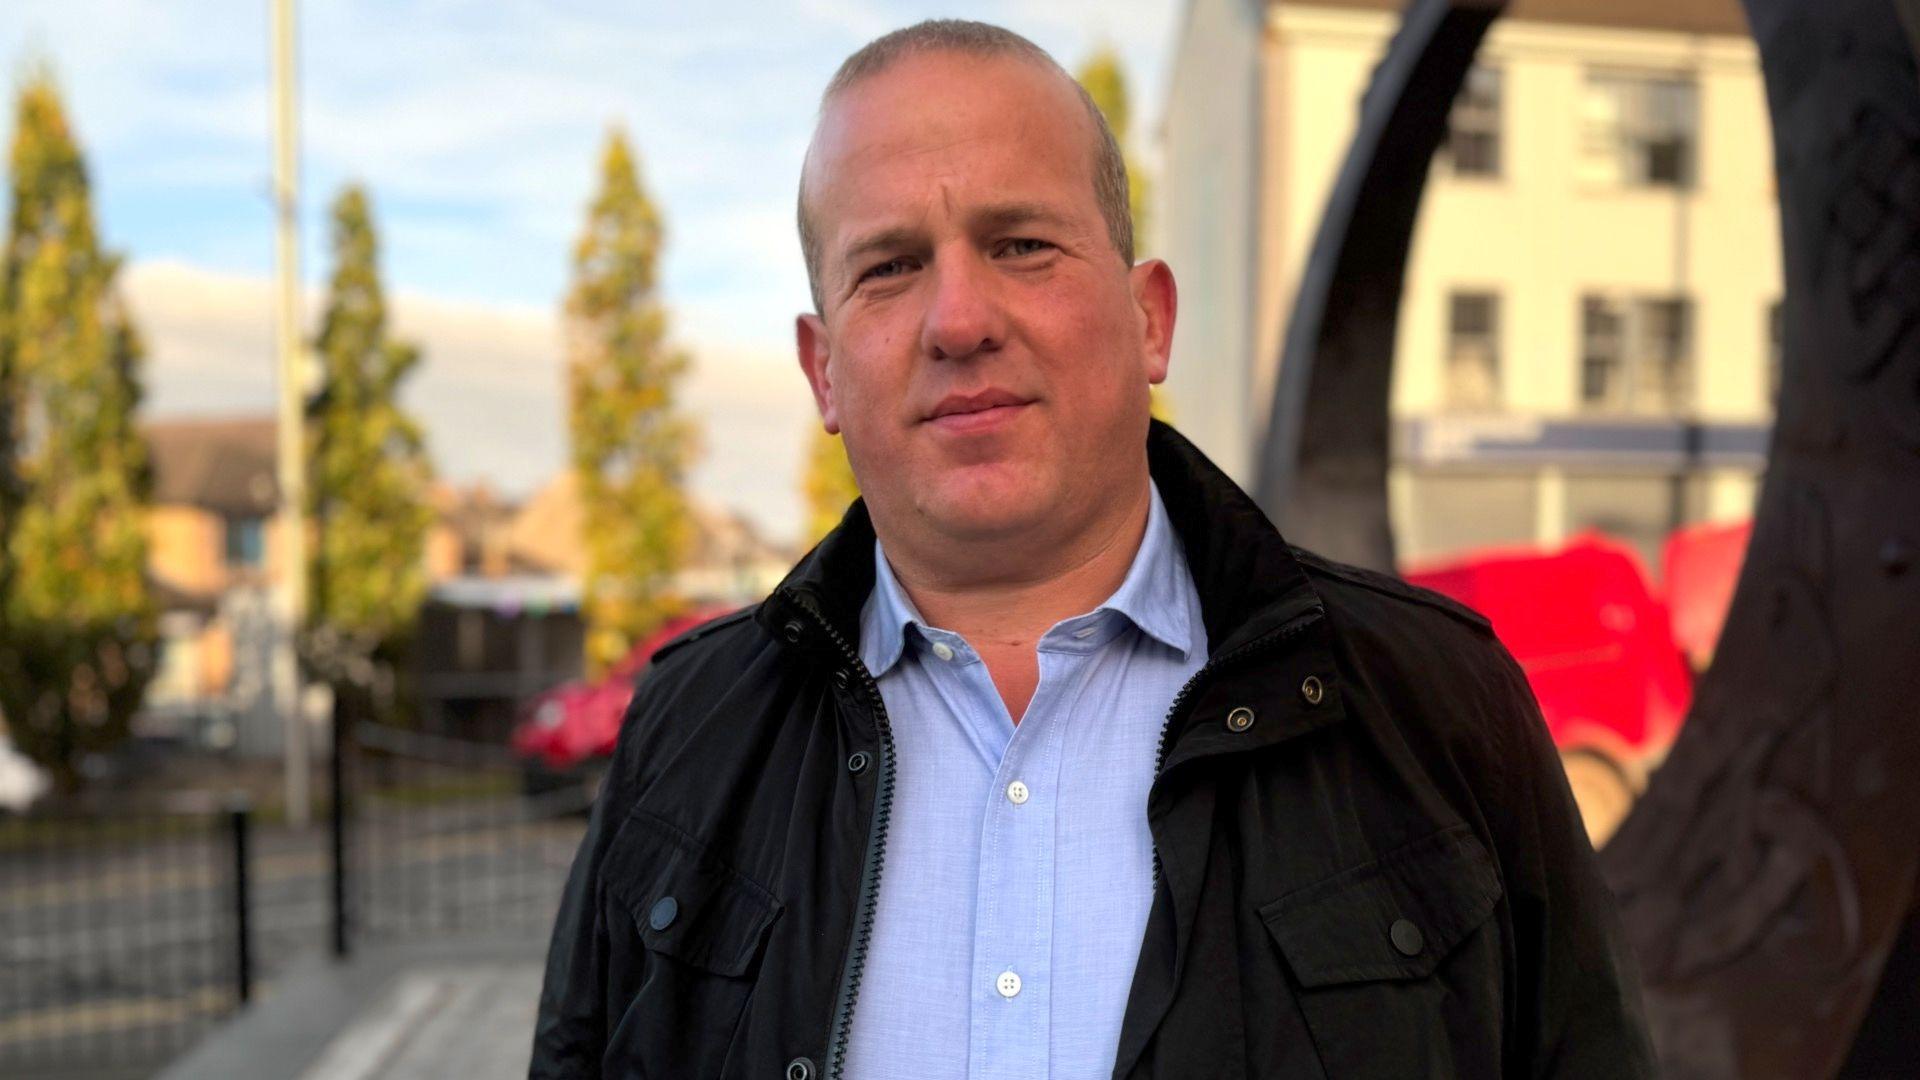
x=985, y=502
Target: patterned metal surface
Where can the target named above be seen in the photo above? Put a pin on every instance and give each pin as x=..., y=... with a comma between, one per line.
x=1771, y=866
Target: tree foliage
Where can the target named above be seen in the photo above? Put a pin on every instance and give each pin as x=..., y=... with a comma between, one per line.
x=369, y=471
x=631, y=449
x=828, y=485
x=77, y=620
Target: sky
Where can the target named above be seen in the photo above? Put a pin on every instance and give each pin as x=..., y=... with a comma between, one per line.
x=477, y=128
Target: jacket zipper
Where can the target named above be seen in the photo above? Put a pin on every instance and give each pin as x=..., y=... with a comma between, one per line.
x=1213, y=665
x=869, y=899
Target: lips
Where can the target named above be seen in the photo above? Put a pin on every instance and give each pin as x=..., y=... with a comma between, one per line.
x=956, y=409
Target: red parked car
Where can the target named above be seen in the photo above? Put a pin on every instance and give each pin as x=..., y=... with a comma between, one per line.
x=565, y=735
x=1597, y=645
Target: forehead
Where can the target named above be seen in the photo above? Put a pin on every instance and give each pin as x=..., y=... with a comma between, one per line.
x=949, y=126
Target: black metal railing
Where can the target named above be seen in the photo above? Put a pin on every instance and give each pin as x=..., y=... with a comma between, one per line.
x=125, y=933
x=442, y=839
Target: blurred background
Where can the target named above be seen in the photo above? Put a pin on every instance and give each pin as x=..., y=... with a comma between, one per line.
x=397, y=377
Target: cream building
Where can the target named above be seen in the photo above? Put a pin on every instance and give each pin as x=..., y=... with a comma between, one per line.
x=1589, y=329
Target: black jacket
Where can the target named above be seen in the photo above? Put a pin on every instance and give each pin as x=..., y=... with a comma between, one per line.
x=1382, y=875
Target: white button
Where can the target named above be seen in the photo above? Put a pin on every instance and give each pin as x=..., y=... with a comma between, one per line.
x=1086, y=631
x=1008, y=984
x=942, y=650
x=1016, y=793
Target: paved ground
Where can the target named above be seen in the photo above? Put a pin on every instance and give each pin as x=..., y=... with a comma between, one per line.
x=451, y=1010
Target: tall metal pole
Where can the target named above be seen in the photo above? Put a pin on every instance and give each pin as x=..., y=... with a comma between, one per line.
x=292, y=471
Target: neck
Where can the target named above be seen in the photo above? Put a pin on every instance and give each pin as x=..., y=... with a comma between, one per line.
x=996, y=594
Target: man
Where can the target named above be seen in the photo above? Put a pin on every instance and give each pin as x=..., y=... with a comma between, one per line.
x=1054, y=760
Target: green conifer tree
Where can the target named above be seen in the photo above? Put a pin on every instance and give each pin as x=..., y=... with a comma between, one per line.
x=77, y=622
x=631, y=450
x=369, y=472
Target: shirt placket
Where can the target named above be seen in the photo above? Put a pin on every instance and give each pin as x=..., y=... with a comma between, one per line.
x=1013, y=942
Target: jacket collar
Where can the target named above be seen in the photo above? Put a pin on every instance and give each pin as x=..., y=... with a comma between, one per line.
x=1245, y=573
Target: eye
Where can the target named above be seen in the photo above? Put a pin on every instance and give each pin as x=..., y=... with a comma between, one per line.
x=1024, y=245
x=890, y=268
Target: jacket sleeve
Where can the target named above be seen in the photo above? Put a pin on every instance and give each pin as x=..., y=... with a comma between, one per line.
x=1578, y=1010
x=570, y=1033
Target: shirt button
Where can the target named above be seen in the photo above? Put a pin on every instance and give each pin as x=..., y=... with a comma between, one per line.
x=1085, y=632
x=1008, y=984
x=942, y=650
x=1017, y=793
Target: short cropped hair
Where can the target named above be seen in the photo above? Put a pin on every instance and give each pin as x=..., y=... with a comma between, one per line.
x=981, y=40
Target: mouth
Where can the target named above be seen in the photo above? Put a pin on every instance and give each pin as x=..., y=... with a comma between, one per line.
x=987, y=409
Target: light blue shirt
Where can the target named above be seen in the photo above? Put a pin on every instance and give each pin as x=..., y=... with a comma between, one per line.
x=1019, y=868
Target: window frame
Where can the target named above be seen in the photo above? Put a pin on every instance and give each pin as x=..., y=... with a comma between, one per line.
x=1652, y=348
x=1478, y=119
x=1617, y=144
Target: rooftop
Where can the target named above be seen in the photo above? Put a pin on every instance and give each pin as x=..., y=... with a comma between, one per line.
x=1680, y=16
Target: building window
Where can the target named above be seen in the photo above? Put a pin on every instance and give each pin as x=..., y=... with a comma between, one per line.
x=1473, y=128
x=1473, y=350
x=246, y=541
x=1638, y=131
x=1636, y=355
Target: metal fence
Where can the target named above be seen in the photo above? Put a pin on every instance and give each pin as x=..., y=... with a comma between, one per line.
x=442, y=839
x=128, y=931
x=125, y=934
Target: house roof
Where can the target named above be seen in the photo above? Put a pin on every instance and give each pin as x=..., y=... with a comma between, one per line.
x=1681, y=16
x=225, y=465
x=545, y=535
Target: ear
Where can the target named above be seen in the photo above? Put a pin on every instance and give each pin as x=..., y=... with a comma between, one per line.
x=810, y=340
x=1157, y=300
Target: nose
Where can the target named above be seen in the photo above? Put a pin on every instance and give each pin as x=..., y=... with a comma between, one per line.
x=963, y=317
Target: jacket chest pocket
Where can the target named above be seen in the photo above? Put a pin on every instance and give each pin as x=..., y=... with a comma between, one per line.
x=1396, y=962
x=685, y=932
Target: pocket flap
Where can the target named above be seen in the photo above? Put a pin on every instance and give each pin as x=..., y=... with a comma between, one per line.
x=1394, y=918
x=717, y=917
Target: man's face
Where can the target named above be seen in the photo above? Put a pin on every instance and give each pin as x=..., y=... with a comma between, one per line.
x=981, y=346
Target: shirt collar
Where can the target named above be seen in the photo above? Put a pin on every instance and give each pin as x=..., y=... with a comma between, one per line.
x=1154, y=597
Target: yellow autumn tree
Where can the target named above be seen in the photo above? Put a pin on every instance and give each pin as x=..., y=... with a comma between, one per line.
x=631, y=449
x=828, y=486
x=77, y=618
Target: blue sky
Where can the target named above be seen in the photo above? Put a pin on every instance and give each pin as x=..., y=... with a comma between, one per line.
x=477, y=127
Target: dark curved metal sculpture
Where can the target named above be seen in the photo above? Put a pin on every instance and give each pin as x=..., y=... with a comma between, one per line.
x=1769, y=869
x=1323, y=467
x=1767, y=878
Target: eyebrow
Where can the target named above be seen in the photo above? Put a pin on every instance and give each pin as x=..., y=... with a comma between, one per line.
x=999, y=216
x=884, y=240
x=994, y=217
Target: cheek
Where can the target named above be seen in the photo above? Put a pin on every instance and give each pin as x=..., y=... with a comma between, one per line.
x=869, y=375
x=1094, y=357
